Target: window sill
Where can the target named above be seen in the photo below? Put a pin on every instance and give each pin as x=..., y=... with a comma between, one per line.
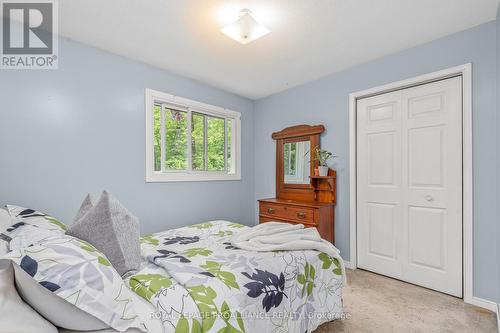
x=157, y=177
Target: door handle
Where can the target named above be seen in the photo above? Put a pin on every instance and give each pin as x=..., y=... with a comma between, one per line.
x=429, y=198
x=301, y=215
x=270, y=211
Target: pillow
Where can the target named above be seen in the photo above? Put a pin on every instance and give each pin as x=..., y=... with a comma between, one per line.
x=18, y=316
x=55, y=309
x=23, y=235
x=32, y=217
x=5, y=222
x=112, y=229
x=78, y=274
x=87, y=204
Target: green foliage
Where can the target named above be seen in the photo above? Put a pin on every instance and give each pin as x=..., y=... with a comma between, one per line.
x=176, y=140
x=103, y=261
x=175, y=145
x=306, y=279
x=215, y=131
x=329, y=261
x=290, y=154
x=322, y=156
x=229, y=126
x=147, y=285
x=157, y=136
x=86, y=246
x=205, y=225
x=204, y=298
x=235, y=225
x=149, y=239
x=226, y=315
x=90, y=248
x=197, y=141
x=183, y=326
x=204, y=130
x=197, y=251
x=227, y=278
x=223, y=233
x=56, y=222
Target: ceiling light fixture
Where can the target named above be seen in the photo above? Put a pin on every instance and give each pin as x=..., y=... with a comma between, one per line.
x=246, y=29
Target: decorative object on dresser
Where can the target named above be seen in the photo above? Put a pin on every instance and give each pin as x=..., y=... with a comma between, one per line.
x=322, y=156
x=302, y=196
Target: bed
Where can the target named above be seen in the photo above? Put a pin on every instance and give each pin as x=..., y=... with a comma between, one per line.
x=192, y=279
x=196, y=279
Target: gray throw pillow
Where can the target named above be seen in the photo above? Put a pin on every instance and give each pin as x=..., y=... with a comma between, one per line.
x=113, y=230
x=87, y=204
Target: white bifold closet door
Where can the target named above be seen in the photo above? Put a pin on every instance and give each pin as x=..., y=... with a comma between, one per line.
x=409, y=185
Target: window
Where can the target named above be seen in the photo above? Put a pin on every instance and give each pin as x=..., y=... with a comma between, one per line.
x=189, y=141
x=296, y=164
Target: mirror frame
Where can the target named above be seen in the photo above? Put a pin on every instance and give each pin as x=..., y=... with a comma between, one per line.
x=295, y=134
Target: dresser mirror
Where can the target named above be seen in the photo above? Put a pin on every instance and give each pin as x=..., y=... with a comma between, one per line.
x=296, y=162
x=302, y=197
x=293, y=159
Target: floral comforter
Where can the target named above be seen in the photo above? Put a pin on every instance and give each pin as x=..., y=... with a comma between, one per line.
x=198, y=282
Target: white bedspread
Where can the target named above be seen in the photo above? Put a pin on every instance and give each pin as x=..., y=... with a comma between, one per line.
x=278, y=236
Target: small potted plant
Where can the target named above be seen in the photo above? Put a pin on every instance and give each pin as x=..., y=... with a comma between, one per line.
x=322, y=156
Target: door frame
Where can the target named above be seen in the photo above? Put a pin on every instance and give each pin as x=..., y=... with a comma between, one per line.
x=465, y=71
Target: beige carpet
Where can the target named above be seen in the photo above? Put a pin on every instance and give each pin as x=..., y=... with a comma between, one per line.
x=375, y=303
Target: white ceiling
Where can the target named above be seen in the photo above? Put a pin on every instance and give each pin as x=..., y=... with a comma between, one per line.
x=309, y=38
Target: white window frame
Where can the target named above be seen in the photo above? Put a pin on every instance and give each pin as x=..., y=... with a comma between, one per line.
x=153, y=97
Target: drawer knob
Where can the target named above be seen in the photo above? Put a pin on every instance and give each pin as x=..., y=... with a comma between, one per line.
x=270, y=211
x=301, y=215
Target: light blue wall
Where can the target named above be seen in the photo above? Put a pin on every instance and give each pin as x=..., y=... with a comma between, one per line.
x=498, y=152
x=80, y=129
x=325, y=101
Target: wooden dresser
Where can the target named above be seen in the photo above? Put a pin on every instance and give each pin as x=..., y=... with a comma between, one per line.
x=301, y=196
x=319, y=215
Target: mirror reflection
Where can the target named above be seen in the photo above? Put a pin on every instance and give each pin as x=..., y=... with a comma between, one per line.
x=296, y=160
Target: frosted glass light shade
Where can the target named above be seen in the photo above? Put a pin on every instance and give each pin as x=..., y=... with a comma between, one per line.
x=245, y=29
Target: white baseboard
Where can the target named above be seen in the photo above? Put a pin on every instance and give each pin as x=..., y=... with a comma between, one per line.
x=477, y=301
x=348, y=264
x=484, y=303
x=498, y=318
x=488, y=305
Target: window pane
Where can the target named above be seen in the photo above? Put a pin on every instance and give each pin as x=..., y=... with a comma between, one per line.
x=176, y=140
x=290, y=158
x=157, y=136
x=293, y=159
x=216, y=154
x=229, y=124
x=197, y=143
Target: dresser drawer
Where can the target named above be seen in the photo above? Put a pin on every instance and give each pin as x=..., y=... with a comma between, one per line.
x=289, y=213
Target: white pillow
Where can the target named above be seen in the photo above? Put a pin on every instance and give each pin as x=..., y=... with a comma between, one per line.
x=79, y=275
x=38, y=219
x=55, y=309
x=18, y=316
x=5, y=222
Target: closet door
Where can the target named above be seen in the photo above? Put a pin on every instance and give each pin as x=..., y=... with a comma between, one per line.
x=409, y=185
